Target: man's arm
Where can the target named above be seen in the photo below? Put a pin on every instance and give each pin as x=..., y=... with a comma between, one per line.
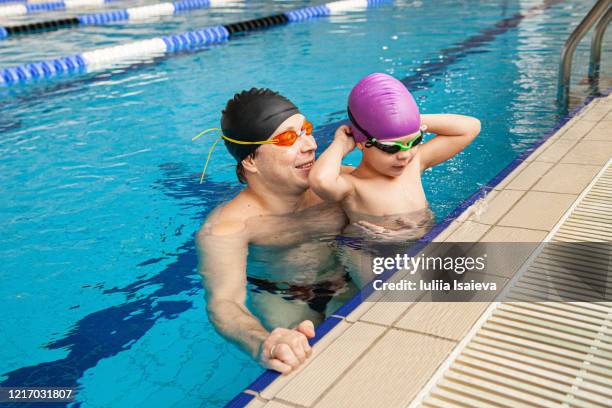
x=222, y=253
x=328, y=178
x=454, y=133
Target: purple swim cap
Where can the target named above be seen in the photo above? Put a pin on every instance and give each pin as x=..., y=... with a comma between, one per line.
x=382, y=106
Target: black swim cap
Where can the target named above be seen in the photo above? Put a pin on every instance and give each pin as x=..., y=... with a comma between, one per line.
x=252, y=116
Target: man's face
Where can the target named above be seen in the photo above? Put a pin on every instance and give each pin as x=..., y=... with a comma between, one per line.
x=391, y=165
x=287, y=167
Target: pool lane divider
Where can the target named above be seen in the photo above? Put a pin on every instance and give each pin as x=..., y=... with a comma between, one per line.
x=20, y=1
x=19, y=9
x=129, y=14
x=112, y=16
x=145, y=50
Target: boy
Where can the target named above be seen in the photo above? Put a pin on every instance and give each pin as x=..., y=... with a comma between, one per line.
x=384, y=194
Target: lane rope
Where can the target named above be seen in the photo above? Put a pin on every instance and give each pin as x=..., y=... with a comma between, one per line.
x=145, y=50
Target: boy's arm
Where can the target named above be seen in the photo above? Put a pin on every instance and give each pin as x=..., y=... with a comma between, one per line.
x=454, y=133
x=328, y=178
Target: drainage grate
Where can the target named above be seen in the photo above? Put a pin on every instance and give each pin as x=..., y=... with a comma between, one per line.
x=544, y=354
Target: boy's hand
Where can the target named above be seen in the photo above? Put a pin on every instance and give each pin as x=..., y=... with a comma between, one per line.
x=344, y=137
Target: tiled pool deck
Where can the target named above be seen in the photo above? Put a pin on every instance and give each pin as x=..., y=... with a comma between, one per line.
x=383, y=353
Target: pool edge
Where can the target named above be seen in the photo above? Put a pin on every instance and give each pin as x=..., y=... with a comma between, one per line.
x=266, y=378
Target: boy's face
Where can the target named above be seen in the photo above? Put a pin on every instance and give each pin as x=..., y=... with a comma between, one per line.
x=391, y=165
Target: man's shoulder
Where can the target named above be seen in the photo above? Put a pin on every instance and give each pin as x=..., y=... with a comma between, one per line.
x=229, y=218
x=228, y=227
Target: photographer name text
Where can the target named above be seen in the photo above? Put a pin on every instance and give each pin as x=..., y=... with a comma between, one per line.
x=434, y=285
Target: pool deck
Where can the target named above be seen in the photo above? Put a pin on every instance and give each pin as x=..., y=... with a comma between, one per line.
x=384, y=352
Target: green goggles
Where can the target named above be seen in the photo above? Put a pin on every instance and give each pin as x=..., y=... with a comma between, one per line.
x=394, y=147
x=387, y=147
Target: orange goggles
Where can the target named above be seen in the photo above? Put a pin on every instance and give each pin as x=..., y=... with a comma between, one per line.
x=286, y=139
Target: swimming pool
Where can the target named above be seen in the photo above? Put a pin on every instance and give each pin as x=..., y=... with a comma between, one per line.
x=99, y=176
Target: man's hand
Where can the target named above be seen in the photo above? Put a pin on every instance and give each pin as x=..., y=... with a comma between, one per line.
x=286, y=349
x=344, y=137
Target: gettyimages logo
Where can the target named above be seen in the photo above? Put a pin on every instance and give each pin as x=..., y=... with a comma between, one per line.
x=425, y=263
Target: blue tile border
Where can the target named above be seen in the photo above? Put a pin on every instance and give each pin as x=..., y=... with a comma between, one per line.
x=269, y=375
x=351, y=305
x=324, y=328
x=240, y=400
x=263, y=380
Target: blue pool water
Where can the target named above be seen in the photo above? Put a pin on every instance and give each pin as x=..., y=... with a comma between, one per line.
x=99, y=178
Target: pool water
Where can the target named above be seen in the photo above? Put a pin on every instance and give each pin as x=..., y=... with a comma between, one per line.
x=99, y=177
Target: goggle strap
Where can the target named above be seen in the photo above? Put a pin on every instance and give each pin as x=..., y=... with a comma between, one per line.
x=210, y=151
x=410, y=142
x=240, y=142
x=203, y=133
x=354, y=122
x=208, y=158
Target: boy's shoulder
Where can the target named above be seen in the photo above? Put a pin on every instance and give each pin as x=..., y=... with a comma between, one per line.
x=346, y=172
x=346, y=169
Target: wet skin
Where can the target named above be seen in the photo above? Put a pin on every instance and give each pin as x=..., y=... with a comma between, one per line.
x=276, y=210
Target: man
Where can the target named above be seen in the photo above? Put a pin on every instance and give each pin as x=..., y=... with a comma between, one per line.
x=278, y=223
